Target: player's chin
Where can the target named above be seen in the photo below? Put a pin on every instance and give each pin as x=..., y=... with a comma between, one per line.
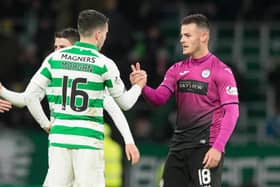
x=186, y=52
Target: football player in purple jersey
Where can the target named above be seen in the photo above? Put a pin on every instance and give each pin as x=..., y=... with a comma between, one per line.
x=207, y=108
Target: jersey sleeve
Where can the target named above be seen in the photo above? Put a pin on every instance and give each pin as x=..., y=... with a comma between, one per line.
x=125, y=99
x=16, y=98
x=119, y=119
x=227, y=88
x=43, y=76
x=113, y=80
x=169, y=80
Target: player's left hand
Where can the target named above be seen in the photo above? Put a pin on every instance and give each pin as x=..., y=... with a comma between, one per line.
x=212, y=158
x=4, y=106
x=132, y=153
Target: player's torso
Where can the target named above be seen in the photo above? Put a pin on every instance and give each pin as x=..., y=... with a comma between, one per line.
x=197, y=100
x=76, y=95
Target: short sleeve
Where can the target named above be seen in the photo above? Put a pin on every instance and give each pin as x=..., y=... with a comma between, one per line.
x=227, y=87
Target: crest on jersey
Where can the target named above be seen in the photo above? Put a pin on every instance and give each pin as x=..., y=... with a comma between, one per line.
x=231, y=90
x=206, y=73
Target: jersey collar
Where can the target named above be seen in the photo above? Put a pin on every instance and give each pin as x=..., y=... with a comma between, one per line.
x=86, y=45
x=200, y=60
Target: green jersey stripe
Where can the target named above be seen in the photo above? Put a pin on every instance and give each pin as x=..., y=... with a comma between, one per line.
x=73, y=146
x=77, y=66
x=79, y=131
x=97, y=119
x=57, y=82
x=57, y=99
x=109, y=83
x=45, y=72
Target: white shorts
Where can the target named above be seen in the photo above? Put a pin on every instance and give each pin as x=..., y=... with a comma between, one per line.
x=75, y=167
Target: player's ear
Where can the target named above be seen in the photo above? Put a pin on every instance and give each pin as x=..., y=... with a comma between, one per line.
x=204, y=36
x=97, y=35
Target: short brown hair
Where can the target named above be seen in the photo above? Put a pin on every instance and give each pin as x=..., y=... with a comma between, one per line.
x=199, y=19
x=89, y=20
x=70, y=34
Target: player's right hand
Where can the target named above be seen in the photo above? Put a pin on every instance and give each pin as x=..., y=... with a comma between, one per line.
x=132, y=153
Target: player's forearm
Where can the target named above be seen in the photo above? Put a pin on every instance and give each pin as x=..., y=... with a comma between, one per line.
x=227, y=126
x=16, y=98
x=156, y=97
x=128, y=98
x=32, y=100
x=119, y=119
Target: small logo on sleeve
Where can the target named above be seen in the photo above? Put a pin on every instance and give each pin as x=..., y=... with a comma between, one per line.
x=231, y=90
x=206, y=73
x=184, y=72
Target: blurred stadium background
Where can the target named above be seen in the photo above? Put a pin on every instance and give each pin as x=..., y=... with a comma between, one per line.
x=245, y=35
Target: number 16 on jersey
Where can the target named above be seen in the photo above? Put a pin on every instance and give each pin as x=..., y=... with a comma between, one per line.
x=77, y=97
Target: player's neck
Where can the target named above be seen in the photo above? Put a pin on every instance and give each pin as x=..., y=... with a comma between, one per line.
x=200, y=53
x=89, y=40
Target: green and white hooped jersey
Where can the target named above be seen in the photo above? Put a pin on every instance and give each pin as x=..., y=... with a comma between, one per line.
x=76, y=78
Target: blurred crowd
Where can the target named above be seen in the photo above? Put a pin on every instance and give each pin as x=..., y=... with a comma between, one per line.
x=27, y=31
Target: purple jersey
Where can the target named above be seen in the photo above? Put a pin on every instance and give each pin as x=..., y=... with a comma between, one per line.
x=202, y=86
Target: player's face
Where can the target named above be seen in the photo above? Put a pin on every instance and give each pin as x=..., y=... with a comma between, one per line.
x=190, y=40
x=102, y=35
x=60, y=43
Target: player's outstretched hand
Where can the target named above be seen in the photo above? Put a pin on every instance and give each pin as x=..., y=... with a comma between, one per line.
x=212, y=158
x=138, y=76
x=132, y=153
x=4, y=106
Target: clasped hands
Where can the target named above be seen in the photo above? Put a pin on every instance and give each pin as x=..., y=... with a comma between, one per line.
x=138, y=76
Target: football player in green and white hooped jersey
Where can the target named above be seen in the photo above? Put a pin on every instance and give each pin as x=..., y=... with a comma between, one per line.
x=79, y=75
x=66, y=38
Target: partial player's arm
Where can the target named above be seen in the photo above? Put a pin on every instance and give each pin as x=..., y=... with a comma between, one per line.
x=33, y=92
x=16, y=98
x=33, y=103
x=156, y=97
x=125, y=99
x=121, y=123
x=119, y=119
x=228, y=94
